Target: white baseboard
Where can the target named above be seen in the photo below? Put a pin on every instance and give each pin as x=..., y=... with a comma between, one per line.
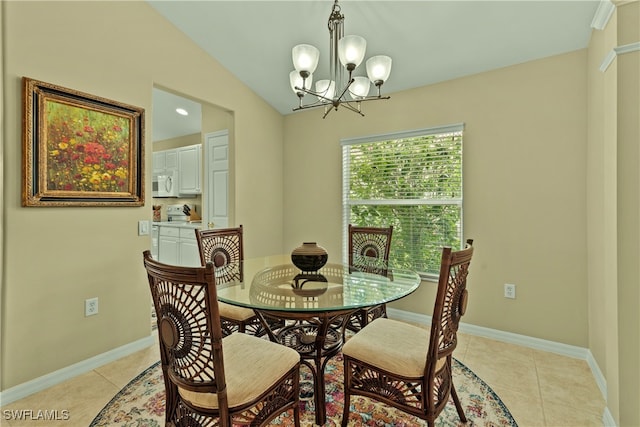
x=607, y=419
x=38, y=384
x=525, y=341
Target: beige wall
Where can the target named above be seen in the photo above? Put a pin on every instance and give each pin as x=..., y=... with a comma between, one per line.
x=180, y=141
x=628, y=213
x=601, y=210
x=58, y=257
x=613, y=187
x=524, y=187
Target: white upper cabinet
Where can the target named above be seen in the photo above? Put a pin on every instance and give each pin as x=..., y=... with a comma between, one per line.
x=166, y=160
x=189, y=167
x=171, y=162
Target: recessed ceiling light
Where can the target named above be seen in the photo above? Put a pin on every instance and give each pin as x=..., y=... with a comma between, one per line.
x=182, y=111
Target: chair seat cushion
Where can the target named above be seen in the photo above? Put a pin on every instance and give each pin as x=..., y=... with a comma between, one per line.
x=252, y=365
x=393, y=346
x=233, y=312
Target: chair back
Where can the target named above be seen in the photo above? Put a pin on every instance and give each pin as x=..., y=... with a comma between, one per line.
x=189, y=329
x=450, y=304
x=369, y=248
x=224, y=248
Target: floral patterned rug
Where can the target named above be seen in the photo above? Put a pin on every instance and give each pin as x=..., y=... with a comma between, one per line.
x=141, y=403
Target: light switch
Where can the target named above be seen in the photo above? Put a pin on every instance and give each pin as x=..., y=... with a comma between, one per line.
x=143, y=228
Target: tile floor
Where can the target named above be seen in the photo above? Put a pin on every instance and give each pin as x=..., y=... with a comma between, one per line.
x=539, y=388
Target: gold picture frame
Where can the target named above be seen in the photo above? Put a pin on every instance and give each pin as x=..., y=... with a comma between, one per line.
x=79, y=149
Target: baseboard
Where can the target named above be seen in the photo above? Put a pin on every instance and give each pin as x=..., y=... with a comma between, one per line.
x=525, y=341
x=607, y=419
x=38, y=384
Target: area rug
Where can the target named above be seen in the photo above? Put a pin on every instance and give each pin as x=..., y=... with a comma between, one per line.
x=141, y=403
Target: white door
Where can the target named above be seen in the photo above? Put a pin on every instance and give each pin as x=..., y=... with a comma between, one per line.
x=217, y=172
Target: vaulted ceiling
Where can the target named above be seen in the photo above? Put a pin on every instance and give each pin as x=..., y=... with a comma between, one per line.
x=429, y=41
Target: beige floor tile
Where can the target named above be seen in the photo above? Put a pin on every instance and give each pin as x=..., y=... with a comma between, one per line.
x=559, y=415
x=526, y=407
x=124, y=370
x=463, y=344
x=82, y=397
x=568, y=382
x=506, y=350
x=502, y=365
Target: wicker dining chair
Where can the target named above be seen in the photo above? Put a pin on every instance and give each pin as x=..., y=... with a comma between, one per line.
x=405, y=366
x=369, y=249
x=224, y=248
x=211, y=380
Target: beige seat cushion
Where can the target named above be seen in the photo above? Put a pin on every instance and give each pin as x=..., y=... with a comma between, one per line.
x=251, y=366
x=241, y=314
x=393, y=346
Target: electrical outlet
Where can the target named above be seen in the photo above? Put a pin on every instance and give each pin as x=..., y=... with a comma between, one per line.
x=509, y=290
x=143, y=228
x=90, y=306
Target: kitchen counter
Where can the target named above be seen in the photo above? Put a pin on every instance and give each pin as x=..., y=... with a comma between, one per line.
x=178, y=224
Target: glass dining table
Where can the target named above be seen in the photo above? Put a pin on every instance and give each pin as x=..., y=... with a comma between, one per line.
x=307, y=311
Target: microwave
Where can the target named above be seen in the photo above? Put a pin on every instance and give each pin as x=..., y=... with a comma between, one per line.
x=165, y=184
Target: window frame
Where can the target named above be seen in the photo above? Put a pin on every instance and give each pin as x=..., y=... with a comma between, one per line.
x=347, y=203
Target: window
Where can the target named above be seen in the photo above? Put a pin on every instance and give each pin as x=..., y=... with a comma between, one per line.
x=413, y=181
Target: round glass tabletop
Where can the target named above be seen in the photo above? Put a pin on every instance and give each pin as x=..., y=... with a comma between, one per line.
x=274, y=283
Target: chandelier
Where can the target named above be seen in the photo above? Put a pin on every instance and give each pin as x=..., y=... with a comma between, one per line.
x=342, y=88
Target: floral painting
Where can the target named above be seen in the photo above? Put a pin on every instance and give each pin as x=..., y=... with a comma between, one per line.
x=86, y=150
x=80, y=150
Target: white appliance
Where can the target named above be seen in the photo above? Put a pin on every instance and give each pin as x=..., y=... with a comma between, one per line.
x=176, y=213
x=165, y=184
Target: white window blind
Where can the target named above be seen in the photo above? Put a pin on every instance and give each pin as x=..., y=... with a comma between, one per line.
x=413, y=181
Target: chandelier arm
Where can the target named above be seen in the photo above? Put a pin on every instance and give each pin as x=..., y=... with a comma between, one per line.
x=309, y=106
x=312, y=105
x=373, y=98
x=318, y=94
x=348, y=106
x=346, y=88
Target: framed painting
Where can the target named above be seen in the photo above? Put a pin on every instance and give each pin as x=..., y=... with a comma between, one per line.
x=79, y=149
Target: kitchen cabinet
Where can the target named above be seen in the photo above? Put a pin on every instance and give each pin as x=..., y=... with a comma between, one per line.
x=165, y=160
x=189, y=167
x=188, y=248
x=168, y=249
x=178, y=246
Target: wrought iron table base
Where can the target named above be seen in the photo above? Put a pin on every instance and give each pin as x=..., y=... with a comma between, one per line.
x=316, y=337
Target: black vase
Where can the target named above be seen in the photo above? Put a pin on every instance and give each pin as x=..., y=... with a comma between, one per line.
x=309, y=257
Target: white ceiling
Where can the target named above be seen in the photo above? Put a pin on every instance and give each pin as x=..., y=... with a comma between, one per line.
x=167, y=123
x=429, y=41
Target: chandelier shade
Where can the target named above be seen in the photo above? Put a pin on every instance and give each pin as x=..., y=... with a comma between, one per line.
x=342, y=87
x=305, y=58
x=296, y=80
x=325, y=89
x=378, y=69
x=351, y=50
x=359, y=88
